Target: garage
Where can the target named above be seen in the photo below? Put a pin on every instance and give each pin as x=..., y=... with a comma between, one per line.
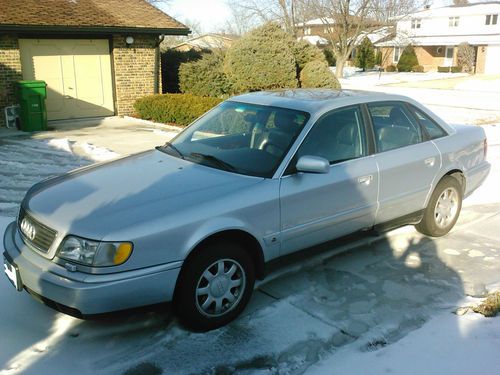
x=77, y=72
x=97, y=57
x=491, y=65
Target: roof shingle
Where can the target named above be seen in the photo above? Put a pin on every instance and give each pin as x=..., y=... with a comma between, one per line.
x=74, y=14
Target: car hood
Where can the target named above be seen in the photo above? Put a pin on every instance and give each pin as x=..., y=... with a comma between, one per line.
x=95, y=201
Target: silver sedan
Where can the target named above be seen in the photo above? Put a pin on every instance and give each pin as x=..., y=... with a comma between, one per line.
x=260, y=176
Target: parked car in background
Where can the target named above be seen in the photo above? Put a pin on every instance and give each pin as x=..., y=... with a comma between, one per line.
x=260, y=176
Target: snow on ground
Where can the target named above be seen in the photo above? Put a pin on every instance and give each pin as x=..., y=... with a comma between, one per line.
x=384, y=307
x=384, y=78
x=448, y=344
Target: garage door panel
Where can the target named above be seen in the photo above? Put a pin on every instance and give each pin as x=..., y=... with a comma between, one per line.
x=77, y=72
x=44, y=67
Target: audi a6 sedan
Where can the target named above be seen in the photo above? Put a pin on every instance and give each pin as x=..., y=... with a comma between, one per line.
x=260, y=176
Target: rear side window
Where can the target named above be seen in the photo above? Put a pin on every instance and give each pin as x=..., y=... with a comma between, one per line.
x=337, y=136
x=394, y=127
x=433, y=130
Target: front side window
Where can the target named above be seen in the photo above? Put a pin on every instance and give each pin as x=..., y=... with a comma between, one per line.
x=415, y=23
x=453, y=21
x=337, y=136
x=239, y=137
x=393, y=126
x=433, y=130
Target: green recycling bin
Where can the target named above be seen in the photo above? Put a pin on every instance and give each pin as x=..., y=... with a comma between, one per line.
x=33, y=113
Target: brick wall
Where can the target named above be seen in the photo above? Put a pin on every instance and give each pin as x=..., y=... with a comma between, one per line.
x=430, y=57
x=10, y=71
x=134, y=68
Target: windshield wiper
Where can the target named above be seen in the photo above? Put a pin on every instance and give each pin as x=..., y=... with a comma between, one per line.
x=170, y=146
x=215, y=160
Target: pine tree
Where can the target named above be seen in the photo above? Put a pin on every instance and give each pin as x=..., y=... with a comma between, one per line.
x=365, y=56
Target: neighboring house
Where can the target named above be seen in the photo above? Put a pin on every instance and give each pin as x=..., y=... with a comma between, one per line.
x=319, y=27
x=97, y=56
x=208, y=41
x=436, y=33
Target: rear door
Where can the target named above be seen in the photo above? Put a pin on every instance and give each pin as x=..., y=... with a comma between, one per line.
x=407, y=161
x=319, y=207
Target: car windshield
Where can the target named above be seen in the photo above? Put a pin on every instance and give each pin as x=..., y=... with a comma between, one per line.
x=240, y=137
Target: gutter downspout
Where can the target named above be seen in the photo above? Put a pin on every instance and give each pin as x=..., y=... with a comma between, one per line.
x=157, y=64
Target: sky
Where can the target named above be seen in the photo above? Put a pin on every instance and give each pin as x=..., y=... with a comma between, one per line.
x=211, y=14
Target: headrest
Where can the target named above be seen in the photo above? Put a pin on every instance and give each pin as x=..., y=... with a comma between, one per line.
x=398, y=117
x=285, y=121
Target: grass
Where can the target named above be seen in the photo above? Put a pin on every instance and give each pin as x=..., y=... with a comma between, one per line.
x=490, y=306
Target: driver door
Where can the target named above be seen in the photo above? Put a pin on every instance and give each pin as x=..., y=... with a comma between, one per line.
x=316, y=208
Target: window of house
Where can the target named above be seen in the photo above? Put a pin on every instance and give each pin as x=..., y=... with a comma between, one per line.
x=397, y=54
x=453, y=21
x=491, y=19
x=415, y=23
x=307, y=31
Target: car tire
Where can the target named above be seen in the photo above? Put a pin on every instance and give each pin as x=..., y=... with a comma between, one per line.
x=443, y=209
x=214, y=286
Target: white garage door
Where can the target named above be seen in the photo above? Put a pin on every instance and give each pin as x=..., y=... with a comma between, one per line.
x=492, y=65
x=77, y=72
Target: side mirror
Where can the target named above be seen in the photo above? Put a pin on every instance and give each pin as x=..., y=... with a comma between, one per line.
x=313, y=164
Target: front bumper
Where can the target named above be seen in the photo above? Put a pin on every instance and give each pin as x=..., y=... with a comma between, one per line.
x=87, y=294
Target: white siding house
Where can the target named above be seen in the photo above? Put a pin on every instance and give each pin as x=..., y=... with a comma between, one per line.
x=437, y=32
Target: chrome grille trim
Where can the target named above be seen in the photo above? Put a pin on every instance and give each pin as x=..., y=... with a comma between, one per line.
x=44, y=236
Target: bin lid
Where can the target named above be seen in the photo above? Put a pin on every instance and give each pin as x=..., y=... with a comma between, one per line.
x=32, y=83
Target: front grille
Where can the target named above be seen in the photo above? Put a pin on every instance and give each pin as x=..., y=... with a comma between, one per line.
x=44, y=236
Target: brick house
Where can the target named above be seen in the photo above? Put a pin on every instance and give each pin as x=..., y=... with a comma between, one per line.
x=97, y=56
x=209, y=41
x=436, y=33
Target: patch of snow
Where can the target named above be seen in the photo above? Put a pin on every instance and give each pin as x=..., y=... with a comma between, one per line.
x=447, y=344
x=451, y=252
x=98, y=153
x=475, y=253
x=60, y=144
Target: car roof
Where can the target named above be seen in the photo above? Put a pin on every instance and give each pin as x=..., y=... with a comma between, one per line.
x=314, y=100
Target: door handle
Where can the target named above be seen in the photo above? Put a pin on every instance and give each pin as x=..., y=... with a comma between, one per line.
x=430, y=162
x=365, y=180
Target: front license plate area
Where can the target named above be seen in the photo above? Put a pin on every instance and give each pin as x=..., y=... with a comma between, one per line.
x=12, y=272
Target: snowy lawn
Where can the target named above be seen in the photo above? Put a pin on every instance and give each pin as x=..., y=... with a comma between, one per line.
x=385, y=307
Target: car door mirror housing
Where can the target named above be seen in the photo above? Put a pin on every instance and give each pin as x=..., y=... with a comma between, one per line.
x=313, y=164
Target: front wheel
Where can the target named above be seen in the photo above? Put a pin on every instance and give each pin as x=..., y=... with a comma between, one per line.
x=443, y=209
x=214, y=286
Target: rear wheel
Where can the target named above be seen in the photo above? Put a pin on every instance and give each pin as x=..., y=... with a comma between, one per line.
x=443, y=209
x=214, y=286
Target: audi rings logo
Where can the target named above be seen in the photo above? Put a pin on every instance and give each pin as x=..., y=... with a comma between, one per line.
x=28, y=229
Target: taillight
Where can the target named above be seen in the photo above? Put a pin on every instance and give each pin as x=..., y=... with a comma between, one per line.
x=485, y=146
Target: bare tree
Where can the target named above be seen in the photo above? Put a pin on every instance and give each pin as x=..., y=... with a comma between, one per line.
x=466, y=56
x=261, y=11
x=240, y=21
x=349, y=20
x=172, y=40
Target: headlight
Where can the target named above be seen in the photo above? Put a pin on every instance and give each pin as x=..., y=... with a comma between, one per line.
x=94, y=253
